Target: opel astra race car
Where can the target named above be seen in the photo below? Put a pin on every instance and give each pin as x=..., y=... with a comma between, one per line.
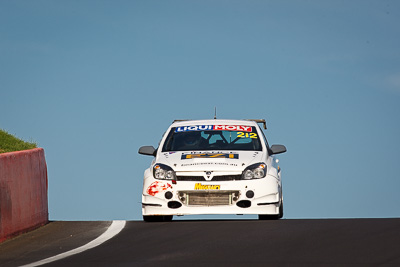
x=213, y=167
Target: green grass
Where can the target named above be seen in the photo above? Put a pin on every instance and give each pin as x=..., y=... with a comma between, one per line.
x=10, y=143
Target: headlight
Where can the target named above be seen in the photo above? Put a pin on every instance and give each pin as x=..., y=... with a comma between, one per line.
x=163, y=172
x=255, y=171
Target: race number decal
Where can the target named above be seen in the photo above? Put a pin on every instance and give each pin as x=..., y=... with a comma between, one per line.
x=246, y=135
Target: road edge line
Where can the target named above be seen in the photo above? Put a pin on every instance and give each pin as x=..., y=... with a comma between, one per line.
x=111, y=231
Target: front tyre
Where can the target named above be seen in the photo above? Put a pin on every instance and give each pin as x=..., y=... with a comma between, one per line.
x=272, y=217
x=157, y=218
x=263, y=217
x=281, y=210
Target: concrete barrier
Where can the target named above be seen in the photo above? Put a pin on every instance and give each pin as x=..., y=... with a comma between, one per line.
x=23, y=192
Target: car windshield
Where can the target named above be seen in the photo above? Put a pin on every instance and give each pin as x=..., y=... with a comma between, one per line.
x=212, y=137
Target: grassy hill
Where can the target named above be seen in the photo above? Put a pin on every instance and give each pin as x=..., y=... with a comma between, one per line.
x=10, y=143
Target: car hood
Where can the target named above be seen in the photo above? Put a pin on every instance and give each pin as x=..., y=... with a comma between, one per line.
x=210, y=160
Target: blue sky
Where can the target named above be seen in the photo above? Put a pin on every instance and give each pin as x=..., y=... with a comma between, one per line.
x=92, y=81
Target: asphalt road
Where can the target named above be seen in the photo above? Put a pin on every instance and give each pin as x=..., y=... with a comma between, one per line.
x=329, y=242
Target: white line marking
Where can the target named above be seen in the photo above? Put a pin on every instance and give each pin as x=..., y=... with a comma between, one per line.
x=112, y=231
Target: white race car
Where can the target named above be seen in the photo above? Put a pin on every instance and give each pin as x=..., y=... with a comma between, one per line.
x=213, y=167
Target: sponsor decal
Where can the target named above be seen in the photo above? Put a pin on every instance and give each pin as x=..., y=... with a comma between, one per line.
x=210, y=155
x=157, y=187
x=241, y=128
x=209, y=163
x=232, y=128
x=200, y=186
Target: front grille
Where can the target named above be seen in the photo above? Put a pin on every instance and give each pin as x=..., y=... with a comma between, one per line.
x=215, y=178
x=209, y=198
x=226, y=177
x=190, y=178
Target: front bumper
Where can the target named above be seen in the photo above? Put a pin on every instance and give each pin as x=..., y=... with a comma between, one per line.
x=259, y=196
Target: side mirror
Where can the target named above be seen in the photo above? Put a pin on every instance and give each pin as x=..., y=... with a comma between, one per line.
x=148, y=150
x=278, y=149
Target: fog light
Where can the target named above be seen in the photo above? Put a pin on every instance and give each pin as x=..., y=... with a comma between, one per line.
x=182, y=197
x=250, y=194
x=168, y=195
x=235, y=196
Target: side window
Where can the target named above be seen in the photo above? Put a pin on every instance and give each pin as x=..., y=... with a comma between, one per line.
x=161, y=139
x=265, y=138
